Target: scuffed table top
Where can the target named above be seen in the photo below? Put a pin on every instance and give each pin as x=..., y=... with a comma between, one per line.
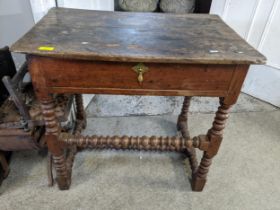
x=136, y=37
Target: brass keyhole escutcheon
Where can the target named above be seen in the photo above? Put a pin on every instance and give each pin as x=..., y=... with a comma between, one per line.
x=140, y=69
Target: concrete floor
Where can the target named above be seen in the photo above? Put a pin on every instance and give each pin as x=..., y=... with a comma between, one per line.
x=119, y=106
x=244, y=175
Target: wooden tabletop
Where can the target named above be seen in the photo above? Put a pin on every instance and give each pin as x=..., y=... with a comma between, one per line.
x=136, y=37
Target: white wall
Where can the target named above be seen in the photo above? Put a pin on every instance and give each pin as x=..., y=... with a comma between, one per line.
x=258, y=22
x=107, y=5
x=15, y=20
x=41, y=7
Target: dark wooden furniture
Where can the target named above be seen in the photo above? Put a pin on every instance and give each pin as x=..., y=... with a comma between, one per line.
x=21, y=118
x=78, y=51
x=7, y=67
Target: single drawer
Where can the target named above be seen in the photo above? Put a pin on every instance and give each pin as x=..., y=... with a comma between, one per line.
x=63, y=73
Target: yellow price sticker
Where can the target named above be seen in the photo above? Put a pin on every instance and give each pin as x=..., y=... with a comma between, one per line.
x=46, y=48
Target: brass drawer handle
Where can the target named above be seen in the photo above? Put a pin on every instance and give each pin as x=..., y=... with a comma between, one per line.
x=140, y=69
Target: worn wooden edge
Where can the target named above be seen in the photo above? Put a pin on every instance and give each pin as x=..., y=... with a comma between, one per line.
x=32, y=58
x=151, y=92
x=141, y=59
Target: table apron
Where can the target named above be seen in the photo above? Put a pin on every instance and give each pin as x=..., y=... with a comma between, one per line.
x=96, y=77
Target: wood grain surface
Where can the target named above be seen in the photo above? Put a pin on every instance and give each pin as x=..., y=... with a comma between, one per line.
x=99, y=77
x=137, y=37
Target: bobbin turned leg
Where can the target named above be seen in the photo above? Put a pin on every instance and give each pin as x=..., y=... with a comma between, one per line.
x=215, y=136
x=54, y=146
x=182, y=126
x=81, y=114
x=79, y=126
